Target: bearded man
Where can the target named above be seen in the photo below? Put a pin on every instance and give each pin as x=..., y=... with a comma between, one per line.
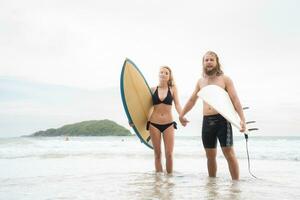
x=215, y=126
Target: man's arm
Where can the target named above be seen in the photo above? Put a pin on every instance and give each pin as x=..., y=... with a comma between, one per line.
x=189, y=105
x=235, y=101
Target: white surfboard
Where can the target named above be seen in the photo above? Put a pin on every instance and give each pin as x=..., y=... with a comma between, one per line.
x=219, y=99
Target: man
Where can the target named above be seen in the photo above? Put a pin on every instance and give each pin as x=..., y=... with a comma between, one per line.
x=216, y=126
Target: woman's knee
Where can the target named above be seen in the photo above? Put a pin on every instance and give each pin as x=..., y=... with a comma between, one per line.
x=157, y=155
x=169, y=155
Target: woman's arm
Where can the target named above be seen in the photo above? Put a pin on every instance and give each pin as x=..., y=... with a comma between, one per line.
x=176, y=100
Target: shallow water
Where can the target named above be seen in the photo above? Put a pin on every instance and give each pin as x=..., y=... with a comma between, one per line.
x=122, y=168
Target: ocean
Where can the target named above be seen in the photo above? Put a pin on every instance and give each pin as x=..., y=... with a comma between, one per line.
x=123, y=168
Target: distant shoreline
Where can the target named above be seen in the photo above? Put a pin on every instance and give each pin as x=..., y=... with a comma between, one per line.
x=86, y=128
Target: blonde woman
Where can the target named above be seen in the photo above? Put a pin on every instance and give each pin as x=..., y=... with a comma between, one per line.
x=161, y=124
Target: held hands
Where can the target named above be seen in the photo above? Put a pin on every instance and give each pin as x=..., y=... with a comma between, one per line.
x=183, y=120
x=243, y=126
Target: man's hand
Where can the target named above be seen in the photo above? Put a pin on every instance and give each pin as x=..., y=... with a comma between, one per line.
x=183, y=120
x=243, y=126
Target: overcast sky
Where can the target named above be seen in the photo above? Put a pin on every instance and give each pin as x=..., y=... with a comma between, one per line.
x=83, y=43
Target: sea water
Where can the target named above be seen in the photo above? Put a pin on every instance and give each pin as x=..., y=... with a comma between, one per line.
x=123, y=168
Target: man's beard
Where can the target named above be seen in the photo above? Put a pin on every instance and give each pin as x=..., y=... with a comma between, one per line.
x=210, y=72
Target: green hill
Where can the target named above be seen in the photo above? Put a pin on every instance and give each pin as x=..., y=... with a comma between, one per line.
x=87, y=128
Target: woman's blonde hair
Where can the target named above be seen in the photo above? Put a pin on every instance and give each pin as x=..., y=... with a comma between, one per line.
x=171, y=81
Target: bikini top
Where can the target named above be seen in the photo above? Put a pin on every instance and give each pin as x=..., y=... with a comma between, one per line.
x=168, y=99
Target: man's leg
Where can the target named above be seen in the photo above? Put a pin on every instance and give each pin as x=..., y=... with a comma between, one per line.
x=209, y=140
x=232, y=162
x=226, y=141
x=211, y=154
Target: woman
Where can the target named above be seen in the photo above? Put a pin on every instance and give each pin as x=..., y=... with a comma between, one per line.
x=161, y=124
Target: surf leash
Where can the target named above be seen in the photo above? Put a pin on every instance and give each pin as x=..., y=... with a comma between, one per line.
x=248, y=157
x=246, y=137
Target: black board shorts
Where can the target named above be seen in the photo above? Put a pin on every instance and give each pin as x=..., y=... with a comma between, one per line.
x=216, y=127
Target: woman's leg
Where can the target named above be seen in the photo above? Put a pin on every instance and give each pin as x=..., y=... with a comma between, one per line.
x=156, y=142
x=168, y=136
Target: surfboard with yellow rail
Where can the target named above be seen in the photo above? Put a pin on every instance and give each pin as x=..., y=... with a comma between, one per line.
x=137, y=100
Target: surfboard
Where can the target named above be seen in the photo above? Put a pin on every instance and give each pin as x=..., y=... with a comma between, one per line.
x=137, y=100
x=219, y=99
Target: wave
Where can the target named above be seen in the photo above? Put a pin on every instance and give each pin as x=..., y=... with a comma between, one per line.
x=130, y=147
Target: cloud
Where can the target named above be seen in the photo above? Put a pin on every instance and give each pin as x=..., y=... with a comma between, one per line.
x=83, y=44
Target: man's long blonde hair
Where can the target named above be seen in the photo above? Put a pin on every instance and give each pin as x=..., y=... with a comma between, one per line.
x=219, y=70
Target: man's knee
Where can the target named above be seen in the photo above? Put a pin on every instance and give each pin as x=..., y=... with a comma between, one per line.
x=211, y=153
x=229, y=154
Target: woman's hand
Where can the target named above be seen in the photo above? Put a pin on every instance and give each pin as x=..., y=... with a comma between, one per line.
x=183, y=120
x=131, y=124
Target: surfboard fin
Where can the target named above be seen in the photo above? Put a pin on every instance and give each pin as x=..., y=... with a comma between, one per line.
x=253, y=129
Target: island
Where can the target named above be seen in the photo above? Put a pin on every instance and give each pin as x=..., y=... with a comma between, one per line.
x=86, y=128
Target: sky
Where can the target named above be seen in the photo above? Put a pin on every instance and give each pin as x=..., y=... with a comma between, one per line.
x=83, y=43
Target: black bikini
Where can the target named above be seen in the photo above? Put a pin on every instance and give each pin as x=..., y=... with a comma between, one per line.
x=168, y=101
x=161, y=127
